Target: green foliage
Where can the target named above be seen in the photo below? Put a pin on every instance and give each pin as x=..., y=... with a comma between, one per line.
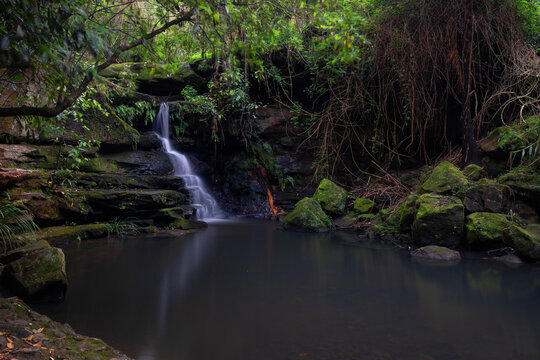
x=140, y=109
x=265, y=157
x=14, y=221
x=118, y=226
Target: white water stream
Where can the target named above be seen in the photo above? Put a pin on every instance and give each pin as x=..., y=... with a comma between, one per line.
x=205, y=205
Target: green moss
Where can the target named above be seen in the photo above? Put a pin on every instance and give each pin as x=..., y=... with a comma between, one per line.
x=332, y=197
x=518, y=136
x=525, y=243
x=444, y=178
x=383, y=230
x=307, y=215
x=363, y=206
x=403, y=216
x=485, y=230
x=71, y=233
x=524, y=181
x=36, y=271
x=438, y=220
x=473, y=172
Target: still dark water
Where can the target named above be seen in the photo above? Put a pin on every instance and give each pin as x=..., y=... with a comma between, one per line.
x=247, y=291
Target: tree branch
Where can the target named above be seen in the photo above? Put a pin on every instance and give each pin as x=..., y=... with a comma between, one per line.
x=61, y=105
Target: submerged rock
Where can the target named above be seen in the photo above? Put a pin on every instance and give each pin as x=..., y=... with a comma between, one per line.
x=438, y=253
x=40, y=271
x=307, y=215
x=439, y=220
x=332, y=197
x=444, y=178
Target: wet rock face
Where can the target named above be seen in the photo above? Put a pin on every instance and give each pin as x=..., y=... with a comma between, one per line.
x=525, y=183
x=439, y=220
x=33, y=336
x=307, y=215
x=487, y=196
x=39, y=271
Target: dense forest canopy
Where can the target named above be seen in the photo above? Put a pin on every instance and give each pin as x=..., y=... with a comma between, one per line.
x=390, y=79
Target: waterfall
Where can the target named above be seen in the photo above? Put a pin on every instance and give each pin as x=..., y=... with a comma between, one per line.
x=205, y=205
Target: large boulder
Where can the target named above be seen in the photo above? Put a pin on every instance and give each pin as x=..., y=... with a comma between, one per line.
x=436, y=253
x=525, y=243
x=307, y=215
x=487, y=195
x=525, y=182
x=484, y=230
x=38, y=272
x=445, y=178
x=438, y=220
x=333, y=198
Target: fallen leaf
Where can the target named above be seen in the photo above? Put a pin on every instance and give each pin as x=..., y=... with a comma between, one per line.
x=38, y=330
x=29, y=338
x=9, y=340
x=10, y=345
x=38, y=344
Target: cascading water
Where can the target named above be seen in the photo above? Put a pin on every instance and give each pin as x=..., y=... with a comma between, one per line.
x=206, y=205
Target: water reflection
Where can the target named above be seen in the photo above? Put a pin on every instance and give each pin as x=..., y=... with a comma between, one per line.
x=247, y=291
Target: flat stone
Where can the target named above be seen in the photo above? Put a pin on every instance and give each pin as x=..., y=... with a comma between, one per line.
x=437, y=253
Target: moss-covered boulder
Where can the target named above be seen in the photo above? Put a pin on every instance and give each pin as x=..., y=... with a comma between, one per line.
x=524, y=242
x=352, y=220
x=333, y=198
x=307, y=215
x=487, y=195
x=525, y=182
x=444, y=179
x=473, y=172
x=504, y=139
x=403, y=216
x=484, y=230
x=40, y=272
x=438, y=220
x=363, y=206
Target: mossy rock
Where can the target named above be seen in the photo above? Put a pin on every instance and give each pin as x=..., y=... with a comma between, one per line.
x=403, y=216
x=307, y=215
x=188, y=224
x=504, y=139
x=333, y=198
x=445, y=178
x=525, y=182
x=439, y=220
x=485, y=230
x=63, y=234
x=525, y=243
x=487, y=196
x=473, y=172
x=363, y=206
x=27, y=328
x=39, y=272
